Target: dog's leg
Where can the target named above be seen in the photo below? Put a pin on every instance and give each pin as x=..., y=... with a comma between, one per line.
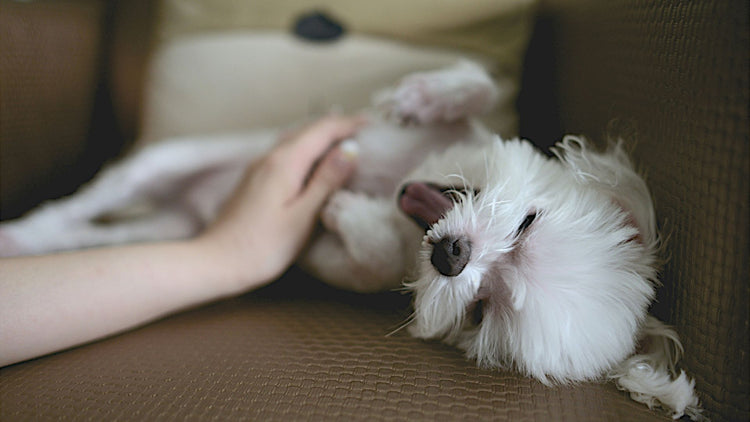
x=163, y=224
x=70, y=222
x=445, y=95
x=362, y=250
x=162, y=173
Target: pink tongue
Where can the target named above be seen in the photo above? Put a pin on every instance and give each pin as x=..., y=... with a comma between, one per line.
x=424, y=203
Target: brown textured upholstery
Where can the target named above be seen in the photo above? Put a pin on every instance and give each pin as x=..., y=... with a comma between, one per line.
x=672, y=79
x=294, y=351
x=57, y=61
x=50, y=71
x=675, y=74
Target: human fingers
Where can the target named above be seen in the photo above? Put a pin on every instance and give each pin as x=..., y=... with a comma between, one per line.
x=331, y=174
x=312, y=142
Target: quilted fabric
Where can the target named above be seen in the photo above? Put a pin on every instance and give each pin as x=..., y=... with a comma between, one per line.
x=47, y=98
x=294, y=351
x=671, y=79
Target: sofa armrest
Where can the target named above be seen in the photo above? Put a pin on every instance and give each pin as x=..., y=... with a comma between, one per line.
x=49, y=71
x=671, y=79
x=71, y=75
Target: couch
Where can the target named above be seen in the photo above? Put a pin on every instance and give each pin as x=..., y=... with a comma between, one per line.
x=671, y=75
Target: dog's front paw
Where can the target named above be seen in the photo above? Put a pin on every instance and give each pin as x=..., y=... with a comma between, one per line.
x=333, y=215
x=445, y=95
x=356, y=217
x=365, y=242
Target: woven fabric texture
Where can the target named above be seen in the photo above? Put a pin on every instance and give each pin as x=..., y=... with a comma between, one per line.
x=49, y=63
x=670, y=77
x=671, y=80
x=294, y=351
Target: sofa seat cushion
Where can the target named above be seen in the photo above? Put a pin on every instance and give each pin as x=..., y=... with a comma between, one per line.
x=292, y=351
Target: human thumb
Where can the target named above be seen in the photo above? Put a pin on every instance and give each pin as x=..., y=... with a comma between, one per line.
x=332, y=173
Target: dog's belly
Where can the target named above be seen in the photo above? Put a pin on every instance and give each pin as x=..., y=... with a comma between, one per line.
x=388, y=152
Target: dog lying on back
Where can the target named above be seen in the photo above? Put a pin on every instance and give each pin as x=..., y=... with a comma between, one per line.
x=546, y=265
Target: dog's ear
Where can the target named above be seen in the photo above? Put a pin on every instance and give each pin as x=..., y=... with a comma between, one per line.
x=612, y=173
x=651, y=376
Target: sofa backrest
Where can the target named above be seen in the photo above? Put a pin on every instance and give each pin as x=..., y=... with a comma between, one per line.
x=671, y=78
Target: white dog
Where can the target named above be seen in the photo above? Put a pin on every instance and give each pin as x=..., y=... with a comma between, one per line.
x=545, y=265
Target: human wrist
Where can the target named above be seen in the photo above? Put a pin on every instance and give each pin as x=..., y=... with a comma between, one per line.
x=232, y=268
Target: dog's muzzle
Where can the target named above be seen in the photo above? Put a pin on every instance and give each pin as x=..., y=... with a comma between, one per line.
x=450, y=255
x=426, y=204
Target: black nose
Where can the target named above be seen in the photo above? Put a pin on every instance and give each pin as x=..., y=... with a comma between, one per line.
x=450, y=255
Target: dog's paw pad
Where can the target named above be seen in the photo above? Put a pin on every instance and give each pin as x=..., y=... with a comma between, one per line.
x=442, y=96
x=415, y=101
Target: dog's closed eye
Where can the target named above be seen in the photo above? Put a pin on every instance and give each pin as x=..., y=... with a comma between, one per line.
x=526, y=223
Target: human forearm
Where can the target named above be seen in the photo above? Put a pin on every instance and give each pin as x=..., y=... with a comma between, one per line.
x=57, y=301
x=49, y=303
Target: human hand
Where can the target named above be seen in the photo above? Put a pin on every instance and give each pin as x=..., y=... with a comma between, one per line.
x=259, y=233
x=266, y=223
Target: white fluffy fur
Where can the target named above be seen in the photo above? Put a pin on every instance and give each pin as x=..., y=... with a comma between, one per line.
x=563, y=300
x=567, y=299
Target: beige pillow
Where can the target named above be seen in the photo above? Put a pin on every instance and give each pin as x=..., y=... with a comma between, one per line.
x=228, y=65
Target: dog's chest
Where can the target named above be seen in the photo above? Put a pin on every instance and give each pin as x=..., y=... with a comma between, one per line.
x=389, y=152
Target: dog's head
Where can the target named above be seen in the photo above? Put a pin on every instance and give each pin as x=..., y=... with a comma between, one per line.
x=534, y=262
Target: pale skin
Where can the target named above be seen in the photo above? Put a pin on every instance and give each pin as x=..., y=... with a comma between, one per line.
x=54, y=302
